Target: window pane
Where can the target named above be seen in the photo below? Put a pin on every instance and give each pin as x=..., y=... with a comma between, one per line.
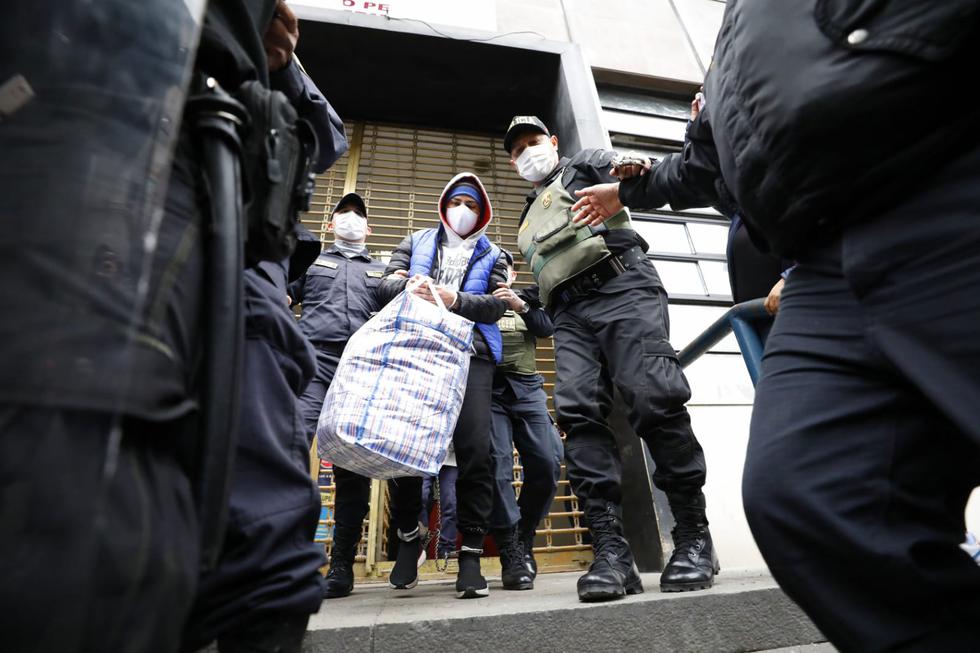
x=716, y=276
x=689, y=321
x=680, y=278
x=665, y=237
x=708, y=238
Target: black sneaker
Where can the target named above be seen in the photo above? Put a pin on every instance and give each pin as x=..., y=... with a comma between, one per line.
x=405, y=574
x=470, y=583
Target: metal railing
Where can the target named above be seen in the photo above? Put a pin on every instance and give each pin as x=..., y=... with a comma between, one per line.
x=743, y=320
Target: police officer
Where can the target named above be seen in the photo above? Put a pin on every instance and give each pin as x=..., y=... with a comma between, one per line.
x=101, y=314
x=267, y=581
x=521, y=418
x=611, y=330
x=337, y=295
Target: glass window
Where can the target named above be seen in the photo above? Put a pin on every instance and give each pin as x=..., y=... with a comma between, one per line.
x=664, y=237
x=709, y=238
x=681, y=277
x=716, y=277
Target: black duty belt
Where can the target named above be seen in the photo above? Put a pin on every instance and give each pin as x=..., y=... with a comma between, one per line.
x=594, y=277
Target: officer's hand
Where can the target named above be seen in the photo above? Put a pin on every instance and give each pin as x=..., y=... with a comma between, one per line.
x=400, y=273
x=772, y=301
x=597, y=204
x=289, y=300
x=281, y=37
x=505, y=293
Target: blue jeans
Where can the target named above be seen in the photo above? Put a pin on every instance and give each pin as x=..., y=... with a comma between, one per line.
x=447, y=506
x=520, y=417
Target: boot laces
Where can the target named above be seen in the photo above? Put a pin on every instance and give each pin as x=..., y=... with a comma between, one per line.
x=688, y=535
x=511, y=552
x=605, y=539
x=339, y=566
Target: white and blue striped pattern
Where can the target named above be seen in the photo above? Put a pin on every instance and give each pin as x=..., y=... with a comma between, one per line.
x=394, y=400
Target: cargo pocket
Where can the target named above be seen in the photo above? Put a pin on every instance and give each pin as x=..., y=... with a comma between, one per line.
x=558, y=233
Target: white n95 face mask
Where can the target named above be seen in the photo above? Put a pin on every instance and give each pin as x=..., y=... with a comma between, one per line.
x=462, y=219
x=350, y=227
x=537, y=162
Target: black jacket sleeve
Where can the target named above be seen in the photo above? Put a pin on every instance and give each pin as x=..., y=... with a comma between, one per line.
x=684, y=180
x=310, y=104
x=485, y=308
x=391, y=286
x=592, y=167
x=537, y=321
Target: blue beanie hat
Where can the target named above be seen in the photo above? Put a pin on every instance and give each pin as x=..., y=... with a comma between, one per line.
x=468, y=189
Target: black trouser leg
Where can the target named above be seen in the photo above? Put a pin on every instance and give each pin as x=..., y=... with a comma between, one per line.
x=540, y=447
x=352, y=497
x=471, y=441
x=622, y=339
x=93, y=560
x=855, y=482
x=311, y=401
x=269, y=563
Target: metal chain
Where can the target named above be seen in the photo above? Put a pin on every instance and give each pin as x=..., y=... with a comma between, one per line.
x=442, y=563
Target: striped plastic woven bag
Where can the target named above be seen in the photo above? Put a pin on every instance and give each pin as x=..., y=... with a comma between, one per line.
x=393, y=402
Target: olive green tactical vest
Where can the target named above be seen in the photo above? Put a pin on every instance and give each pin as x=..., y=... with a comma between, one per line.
x=519, y=345
x=556, y=248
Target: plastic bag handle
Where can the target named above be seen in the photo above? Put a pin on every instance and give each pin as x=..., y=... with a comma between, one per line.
x=412, y=285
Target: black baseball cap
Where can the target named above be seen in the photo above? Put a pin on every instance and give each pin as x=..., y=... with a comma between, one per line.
x=519, y=125
x=351, y=198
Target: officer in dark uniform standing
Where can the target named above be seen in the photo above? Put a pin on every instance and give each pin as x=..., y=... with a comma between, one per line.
x=102, y=313
x=611, y=328
x=267, y=581
x=521, y=418
x=337, y=294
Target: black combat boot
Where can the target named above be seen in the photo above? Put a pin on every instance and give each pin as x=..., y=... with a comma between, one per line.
x=405, y=574
x=340, y=577
x=513, y=574
x=526, y=536
x=613, y=572
x=693, y=564
x=470, y=583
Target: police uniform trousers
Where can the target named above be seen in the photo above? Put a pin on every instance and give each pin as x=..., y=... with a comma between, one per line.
x=865, y=438
x=620, y=339
x=99, y=538
x=471, y=442
x=269, y=564
x=520, y=419
x=352, y=492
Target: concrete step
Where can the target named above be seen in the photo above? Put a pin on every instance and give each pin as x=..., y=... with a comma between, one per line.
x=743, y=612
